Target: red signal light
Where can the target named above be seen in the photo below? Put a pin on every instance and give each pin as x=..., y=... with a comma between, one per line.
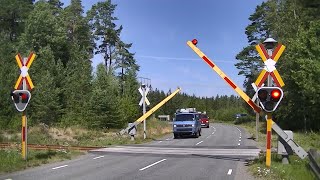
x=23, y=96
x=194, y=42
x=275, y=94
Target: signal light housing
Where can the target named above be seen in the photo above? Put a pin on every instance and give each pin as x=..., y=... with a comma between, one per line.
x=270, y=98
x=21, y=99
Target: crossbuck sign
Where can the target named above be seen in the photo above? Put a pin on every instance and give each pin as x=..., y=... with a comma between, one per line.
x=145, y=96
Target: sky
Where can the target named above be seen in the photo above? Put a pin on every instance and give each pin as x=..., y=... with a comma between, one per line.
x=159, y=31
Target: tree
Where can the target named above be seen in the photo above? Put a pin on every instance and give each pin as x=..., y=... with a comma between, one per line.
x=77, y=88
x=104, y=101
x=45, y=105
x=13, y=14
x=101, y=21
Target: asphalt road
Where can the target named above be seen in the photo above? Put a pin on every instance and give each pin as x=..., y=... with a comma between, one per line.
x=220, y=153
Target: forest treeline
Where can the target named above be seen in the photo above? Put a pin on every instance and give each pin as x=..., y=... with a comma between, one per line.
x=69, y=91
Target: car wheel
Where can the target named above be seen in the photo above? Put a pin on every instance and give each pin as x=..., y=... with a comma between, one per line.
x=208, y=126
x=200, y=132
x=196, y=134
x=175, y=136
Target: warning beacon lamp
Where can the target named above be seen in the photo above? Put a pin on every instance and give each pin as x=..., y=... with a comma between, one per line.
x=270, y=98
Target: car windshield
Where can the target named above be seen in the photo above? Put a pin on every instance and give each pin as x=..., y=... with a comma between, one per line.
x=184, y=117
x=203, y=116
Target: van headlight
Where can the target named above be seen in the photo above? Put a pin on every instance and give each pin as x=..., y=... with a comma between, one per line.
x=174, y=125
x=192, y=125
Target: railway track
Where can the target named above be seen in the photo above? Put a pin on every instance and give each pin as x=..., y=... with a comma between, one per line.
x=47, y=147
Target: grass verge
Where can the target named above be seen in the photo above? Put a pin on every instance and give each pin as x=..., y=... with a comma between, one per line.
x=297, y=169
x=10, y=159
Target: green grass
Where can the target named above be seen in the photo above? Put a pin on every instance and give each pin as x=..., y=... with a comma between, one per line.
x=11, y=160
x=297, y=169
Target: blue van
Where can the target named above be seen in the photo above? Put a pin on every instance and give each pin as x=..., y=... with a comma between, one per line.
x=187, y=124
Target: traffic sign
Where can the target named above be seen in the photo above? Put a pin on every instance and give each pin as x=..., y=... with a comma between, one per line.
x=21, y=99
x=270, y=63
x=24, y=65
x=145, y=96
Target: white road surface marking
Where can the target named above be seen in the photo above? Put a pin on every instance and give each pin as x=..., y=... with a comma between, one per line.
x=152, y=164
x=213, y=132
x=160, y=141
x=60, y=167
x=240, y=137
x=168, y=139
x=199, y=142
x=230, y=171
x=98, y=157
x=239, y=140
x=238, y=144
x=209, y=136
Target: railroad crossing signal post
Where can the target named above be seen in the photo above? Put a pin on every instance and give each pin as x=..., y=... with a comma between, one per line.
x=144, y=100
x=269, y=97
x=21, y=97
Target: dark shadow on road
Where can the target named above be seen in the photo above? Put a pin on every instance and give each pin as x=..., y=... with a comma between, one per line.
x=229, y=158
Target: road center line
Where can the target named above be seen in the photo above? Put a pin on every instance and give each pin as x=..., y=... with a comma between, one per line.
x=152, y=164
x=98, y=157
x=238, y=144
x=230, y=171
x=209, y=136
x=60, y=167
x=199, y=142
x=213, y=132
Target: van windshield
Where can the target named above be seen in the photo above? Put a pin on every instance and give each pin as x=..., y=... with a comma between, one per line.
x=184, y=117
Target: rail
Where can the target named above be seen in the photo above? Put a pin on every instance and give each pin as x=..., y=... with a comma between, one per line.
x=314, y=162
x=47, y=147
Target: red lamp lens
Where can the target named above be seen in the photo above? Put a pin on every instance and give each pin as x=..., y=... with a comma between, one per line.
x=275, y=94
x=194, y=42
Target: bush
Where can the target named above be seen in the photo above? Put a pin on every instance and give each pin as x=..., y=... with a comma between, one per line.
x=227, y=114
x=244, y=119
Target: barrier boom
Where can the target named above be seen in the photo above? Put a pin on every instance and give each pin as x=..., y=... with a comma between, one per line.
x=151, y=111
x=224, y=77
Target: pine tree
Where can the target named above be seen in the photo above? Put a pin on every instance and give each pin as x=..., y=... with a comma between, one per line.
x=101, y=20
x=104, y=101
x=44, y=105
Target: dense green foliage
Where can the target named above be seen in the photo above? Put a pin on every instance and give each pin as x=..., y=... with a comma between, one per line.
x=296, y=24
x=67, y=91
x=221, y=108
